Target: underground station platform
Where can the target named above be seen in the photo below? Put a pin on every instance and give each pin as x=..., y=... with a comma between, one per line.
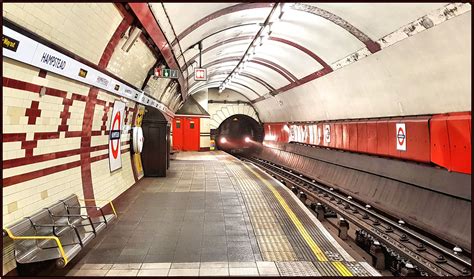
x=213, y=215
x=237, y=139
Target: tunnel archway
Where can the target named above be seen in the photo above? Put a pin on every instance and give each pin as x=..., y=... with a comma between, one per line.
x=238, y=133
x=156, y=146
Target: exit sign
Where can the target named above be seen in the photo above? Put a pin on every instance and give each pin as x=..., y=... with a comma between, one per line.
x=200, y=74
x=166, y=73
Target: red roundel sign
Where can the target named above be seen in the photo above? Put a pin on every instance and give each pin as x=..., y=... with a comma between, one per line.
x=118, y=113
x=115, y=143
x=401, y=137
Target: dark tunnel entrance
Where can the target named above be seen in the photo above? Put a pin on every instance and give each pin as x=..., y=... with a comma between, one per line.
x=239, y=133
x=156, y=146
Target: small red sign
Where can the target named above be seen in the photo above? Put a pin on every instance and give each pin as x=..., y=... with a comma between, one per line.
x=200, y=74
x=158, y=72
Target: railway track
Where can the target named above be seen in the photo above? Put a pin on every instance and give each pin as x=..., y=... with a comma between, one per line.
x=402, y=246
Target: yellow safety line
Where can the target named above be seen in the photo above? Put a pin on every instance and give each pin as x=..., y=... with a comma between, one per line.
x=58, y=242
x=342, y=269
x=307, y=237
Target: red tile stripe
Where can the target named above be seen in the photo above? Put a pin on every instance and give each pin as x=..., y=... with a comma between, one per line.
x=12, y=163
x=87, y=121
x=9, y=181
x=33, y=112
x=146, y=18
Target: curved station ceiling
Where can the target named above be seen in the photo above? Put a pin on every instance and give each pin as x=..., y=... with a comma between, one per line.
x=262, y=49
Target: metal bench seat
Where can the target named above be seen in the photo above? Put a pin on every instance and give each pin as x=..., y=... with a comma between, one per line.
x=57, y=232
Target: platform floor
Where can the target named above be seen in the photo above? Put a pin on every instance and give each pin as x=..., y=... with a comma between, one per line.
x=214, y=216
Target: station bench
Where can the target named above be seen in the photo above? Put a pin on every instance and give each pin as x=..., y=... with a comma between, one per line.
x=58, y=232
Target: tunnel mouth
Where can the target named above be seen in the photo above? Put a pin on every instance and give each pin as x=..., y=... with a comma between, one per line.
x=239, y=133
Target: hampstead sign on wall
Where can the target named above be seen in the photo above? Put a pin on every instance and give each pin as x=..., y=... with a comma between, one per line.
x=21, y=48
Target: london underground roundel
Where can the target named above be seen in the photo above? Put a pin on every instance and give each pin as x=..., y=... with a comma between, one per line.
x=137, y=139
x=115, y=130
x=401, y=135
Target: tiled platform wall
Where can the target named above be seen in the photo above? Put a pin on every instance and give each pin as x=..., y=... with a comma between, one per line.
x=57, y=144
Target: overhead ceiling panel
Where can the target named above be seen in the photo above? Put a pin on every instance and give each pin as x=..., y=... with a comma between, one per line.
x=236, y=18
x=192, y=12
x=325, y=38
x=379, y=19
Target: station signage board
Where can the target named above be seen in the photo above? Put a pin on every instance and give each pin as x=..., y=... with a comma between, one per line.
x=200, y=74
x=24, y=49
x=166, y=73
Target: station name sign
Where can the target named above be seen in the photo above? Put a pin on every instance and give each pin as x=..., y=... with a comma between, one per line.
x=24, y=49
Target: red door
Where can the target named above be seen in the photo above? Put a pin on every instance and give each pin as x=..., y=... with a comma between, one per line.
x=178, y=133
x=191, y=134
x=186, y=133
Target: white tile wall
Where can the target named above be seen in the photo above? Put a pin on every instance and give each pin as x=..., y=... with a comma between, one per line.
x=83, y=28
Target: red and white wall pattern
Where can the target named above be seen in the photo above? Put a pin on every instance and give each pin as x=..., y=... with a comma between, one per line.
x=56, y=144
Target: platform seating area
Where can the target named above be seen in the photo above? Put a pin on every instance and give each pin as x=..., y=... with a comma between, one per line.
x=58, y=232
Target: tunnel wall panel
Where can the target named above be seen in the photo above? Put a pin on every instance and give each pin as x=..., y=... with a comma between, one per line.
x=444, y=140
x=451, y=141
x=459, y=131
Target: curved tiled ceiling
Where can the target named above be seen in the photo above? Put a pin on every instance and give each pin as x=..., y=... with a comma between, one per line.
x=305, y=39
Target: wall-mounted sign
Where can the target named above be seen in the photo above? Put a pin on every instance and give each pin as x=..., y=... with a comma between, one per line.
x=327, y=133
x=401, y=137
x=24, y=49
x=9, y=43
x=166, y=73
x=82, y=73
x=200, y=74
x=116, y=124
x=137, y=139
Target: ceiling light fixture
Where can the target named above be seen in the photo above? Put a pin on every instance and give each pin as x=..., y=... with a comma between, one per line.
x=262, y=35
